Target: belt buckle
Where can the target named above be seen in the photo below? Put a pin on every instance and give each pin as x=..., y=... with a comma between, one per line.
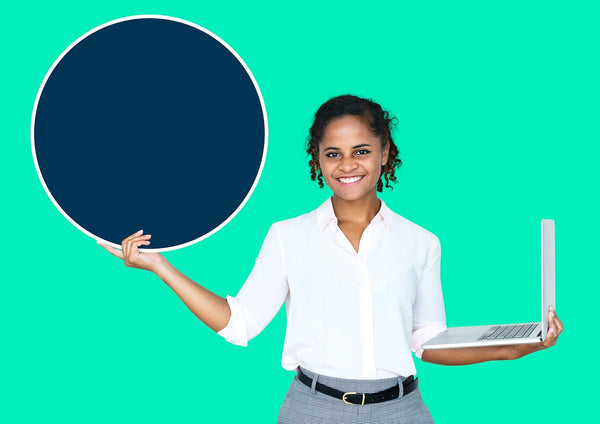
x=352, y=393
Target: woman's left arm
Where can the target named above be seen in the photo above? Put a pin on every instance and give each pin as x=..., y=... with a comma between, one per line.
x=474, y=355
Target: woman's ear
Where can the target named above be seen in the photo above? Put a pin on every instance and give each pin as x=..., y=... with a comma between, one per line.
x=385, y=154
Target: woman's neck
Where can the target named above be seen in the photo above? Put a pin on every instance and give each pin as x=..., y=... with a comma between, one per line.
x=356, y=211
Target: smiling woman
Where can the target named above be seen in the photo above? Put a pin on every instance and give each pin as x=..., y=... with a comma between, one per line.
x=361, y=285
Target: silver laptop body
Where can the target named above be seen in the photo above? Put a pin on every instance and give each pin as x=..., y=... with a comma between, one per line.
x=490, y=335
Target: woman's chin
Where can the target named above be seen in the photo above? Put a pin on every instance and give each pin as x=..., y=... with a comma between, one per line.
x=354, y=195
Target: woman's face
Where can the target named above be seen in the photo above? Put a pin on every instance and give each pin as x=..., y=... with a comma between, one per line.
x=351, y=157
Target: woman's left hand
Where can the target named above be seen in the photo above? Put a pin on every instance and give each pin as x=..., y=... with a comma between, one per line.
x=555, y=327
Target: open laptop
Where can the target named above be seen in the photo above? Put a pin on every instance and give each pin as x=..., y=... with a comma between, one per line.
x=489, y=335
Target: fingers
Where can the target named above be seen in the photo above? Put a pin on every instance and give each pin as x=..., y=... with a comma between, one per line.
x=555, y=327
x=112, y=250
x=558, y=322
x=130, y=247
x=126, y=243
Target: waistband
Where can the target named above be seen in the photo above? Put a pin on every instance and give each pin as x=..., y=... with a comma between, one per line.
x=355, y=385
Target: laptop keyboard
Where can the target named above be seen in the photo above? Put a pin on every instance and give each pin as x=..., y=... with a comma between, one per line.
x=511, y=331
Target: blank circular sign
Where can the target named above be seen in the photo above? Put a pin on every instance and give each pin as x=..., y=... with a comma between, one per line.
x=149, y=122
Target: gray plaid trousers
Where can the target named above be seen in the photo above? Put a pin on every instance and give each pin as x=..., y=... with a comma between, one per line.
x=304, y=405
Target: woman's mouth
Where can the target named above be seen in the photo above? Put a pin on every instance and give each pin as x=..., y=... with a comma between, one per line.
x=350, y=180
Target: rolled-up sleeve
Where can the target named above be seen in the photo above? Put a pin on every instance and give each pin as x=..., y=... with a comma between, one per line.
x=429, y=317
x=262, y=294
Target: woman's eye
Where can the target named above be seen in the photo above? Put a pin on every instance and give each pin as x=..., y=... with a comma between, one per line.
x=331, y=155
x=362, y=152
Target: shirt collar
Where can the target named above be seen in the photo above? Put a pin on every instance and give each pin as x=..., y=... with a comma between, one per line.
x=326, y=215
x=386, y=214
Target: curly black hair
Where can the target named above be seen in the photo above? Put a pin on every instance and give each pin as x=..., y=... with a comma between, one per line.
x=380, y=121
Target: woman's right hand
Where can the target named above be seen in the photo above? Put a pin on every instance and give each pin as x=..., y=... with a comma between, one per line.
x=132, y=257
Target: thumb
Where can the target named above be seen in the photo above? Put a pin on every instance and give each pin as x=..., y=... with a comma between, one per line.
x=115, y=252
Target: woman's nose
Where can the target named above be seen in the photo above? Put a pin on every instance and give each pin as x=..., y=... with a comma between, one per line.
x=347, y=163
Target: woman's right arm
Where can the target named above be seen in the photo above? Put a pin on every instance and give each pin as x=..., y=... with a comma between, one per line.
x=211, y=309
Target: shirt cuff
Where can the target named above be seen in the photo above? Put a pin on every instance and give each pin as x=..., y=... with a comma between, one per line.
x=235, y=331
x=423, y=335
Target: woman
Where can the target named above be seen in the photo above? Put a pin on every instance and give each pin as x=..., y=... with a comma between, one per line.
x=361, y=285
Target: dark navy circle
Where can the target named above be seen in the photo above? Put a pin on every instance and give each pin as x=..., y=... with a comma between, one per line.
x=149, y=122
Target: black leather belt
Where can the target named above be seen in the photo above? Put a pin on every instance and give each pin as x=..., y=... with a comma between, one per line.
x=408, y=385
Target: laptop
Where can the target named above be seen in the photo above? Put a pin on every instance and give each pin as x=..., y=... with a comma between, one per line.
x=504, y=334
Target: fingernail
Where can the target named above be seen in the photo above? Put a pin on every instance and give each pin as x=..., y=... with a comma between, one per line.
x=140, y=232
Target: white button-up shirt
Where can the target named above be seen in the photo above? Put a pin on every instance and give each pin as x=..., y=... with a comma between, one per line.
x=350, y=314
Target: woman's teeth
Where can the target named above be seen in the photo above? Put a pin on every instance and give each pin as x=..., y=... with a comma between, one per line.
x=349, y=180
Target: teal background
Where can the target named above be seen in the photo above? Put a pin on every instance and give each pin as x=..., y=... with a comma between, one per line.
x=498, y=127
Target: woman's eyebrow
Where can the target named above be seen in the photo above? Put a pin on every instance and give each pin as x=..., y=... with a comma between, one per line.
x=354, y=147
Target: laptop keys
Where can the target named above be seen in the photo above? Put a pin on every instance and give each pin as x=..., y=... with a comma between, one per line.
x=511, y=331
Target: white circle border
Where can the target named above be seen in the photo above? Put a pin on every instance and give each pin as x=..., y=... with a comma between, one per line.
x=130, y=18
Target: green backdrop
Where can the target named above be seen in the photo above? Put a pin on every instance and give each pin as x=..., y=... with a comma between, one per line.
x=498, y=127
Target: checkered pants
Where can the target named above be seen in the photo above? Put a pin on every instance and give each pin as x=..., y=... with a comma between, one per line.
x=304, y=405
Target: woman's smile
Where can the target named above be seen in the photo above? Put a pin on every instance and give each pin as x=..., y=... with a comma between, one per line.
x=350, y=180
